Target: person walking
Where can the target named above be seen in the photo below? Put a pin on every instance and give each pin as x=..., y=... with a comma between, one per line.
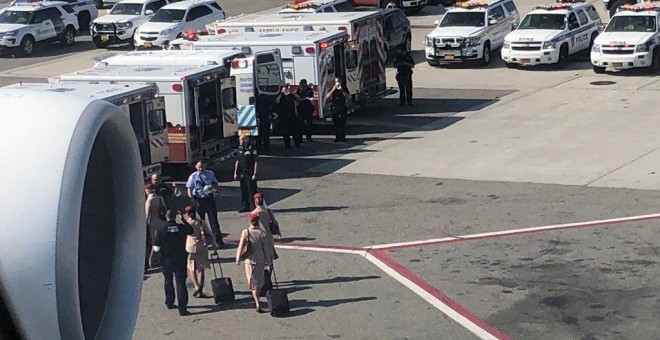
x=197, y=248
x=154, y=208
x=163, y=190
x=264, y=109
x=245, y=170
x=258, y=259
x=289, y=125
x=269, y=225
x=201, y=186
x=170, y=240
x=404, y=64
x=338, y=97
x=304, y=96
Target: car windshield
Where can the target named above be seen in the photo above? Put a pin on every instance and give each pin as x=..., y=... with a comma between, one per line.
x=468, y=19
x=543, y=22
x=631, y=23
x=123, y=9
x=15, y=17
x=168, y=15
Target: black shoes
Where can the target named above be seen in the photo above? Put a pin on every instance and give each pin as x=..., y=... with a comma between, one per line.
x=184, y=313
x=170, y=306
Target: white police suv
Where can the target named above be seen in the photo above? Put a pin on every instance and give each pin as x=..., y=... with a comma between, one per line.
x=172, y=20
x=121, y=22
x=630, y=39
x=85, y=10
x=23, y=25
x=470, y=30
x=549, y=34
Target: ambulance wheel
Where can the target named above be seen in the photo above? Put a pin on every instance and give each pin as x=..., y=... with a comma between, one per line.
x=563, y=57
x=655, y=62
x=598, y=69
x=390, y=4
x=485, y=56
x=27, y=46
x=69, y=36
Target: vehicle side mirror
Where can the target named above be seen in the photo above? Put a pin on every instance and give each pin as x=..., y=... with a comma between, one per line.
x=437, y=22
x=149, y=12
x=492, y=21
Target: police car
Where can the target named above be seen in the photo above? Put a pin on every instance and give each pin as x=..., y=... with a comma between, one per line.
x=470, y=30
x=316, y=6
x=630, y=39
x=85, y=10
x=121, y=22
x=171, y=21
x=23, y=25
x=549, y=34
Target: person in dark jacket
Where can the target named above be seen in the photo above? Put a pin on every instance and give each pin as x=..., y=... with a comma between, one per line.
x=245, y=171
x=338, y=97
x=264, y=109
x=170, y=241
x=304, y=96
x=404, y=64
x=288, y=123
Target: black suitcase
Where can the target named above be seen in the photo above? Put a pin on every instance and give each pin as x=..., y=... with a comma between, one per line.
x=223, y=289
x=278, y=300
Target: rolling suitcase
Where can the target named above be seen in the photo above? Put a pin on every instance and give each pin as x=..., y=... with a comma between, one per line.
x=223, y=289
x=278, y=300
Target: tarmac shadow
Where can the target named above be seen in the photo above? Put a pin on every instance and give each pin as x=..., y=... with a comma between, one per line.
x=328, y=303
x=337, y=279
x=294, y=239
x=310, y=209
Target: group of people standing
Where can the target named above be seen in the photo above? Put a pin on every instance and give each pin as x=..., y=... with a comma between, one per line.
x=182, y=241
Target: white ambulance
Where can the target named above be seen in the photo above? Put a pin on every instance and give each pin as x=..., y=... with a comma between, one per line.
x=630, y=39
x=200, y=102
x=267, y=63
x=365, y=53
x=550, y=33
x=314, y=56
x=141, y=104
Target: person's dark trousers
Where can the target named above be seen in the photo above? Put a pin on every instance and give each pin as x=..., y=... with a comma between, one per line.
x=339, y=122
x=147, y=252
x=308, y=123
x=178, y=274
x=405, y=92
x=263, y=139
x=207, y=206
x=248, y=188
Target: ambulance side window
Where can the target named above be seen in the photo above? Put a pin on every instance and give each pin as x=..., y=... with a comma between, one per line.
x=229, y=98
x=351, y=59
x=156, y=120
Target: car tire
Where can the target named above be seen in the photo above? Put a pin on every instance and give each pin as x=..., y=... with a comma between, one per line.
x=562, y=62
x=598, y=69
x=69, y=36
x=99, y=4
x=84, y=20
x=485, y=55
x=101, y=44
x=510, y=65
x=26, y=48
x=390, y=4
x=616, y=4
x=407, y=45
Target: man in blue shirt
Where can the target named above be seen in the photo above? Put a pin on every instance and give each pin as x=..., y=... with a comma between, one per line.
x=201, y=187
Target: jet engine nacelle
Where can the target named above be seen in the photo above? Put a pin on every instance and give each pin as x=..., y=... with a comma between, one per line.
x=73, y=228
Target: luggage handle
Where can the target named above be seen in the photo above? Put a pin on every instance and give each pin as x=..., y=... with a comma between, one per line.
x=272, y=269
x=222, y=275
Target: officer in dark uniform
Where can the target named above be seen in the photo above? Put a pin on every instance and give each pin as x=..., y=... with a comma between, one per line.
x=338, y=97
x=304, y=96
x=245, y=170
x=264, y=108
x=170, y=241
x=404, y=64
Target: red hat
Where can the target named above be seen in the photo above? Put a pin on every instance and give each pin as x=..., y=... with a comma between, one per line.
x=149, y=186
x=189, y=209
x=254, y=217
x=257, y=195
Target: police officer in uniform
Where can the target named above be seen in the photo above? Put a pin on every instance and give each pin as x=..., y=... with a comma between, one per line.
x=170, y=241
x=404, y=64
x=245, y=170
x=338, y=97
x=264, y=110
x=304, y=96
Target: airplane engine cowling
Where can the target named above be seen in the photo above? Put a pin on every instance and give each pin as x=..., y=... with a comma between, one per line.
x=73, y=226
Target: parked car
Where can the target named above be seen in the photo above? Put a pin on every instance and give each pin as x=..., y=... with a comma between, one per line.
x=23, y=25
x=396, y=31
x=171, y=21
x=121, y=22
x=317, y=6
x=409, y=6
x=85, y=10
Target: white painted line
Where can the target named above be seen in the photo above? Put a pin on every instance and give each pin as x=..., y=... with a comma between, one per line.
x=435, y=302
x=516, y=232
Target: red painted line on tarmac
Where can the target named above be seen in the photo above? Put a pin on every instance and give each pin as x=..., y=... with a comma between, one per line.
x=421, y=283
x=306, y=245
x=514, y=232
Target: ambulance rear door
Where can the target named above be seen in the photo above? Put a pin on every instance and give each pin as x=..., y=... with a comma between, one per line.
x=157, y=130
x=269, y=74
x=229, y=106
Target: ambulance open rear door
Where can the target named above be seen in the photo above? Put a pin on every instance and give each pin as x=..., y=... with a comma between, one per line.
x=158, y=140
x=229, y=109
